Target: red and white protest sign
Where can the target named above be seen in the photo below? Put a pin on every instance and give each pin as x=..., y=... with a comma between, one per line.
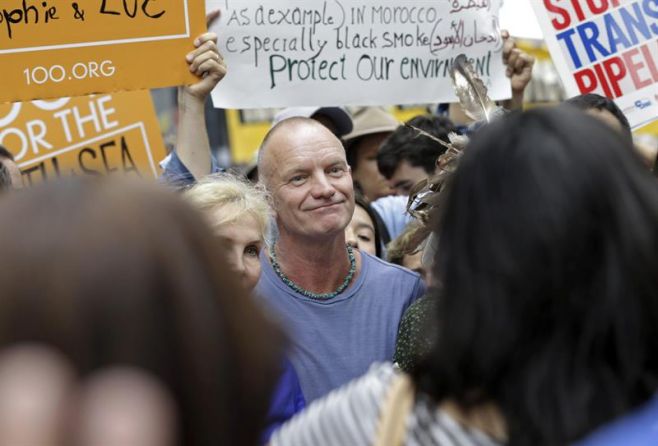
x=609, y=47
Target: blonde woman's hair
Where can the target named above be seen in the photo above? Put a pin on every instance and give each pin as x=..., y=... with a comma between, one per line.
x=404, y=244
x=236, y=196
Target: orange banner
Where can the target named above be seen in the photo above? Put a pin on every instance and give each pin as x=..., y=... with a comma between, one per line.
x=90, y=135
x=56, y=48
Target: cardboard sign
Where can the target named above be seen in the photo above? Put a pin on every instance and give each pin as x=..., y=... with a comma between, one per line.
x=609, y=47
x=56, y=48
x=353, y=52
x=89, y=135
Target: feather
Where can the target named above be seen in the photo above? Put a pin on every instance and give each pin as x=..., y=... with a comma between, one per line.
x=471, y=91
x=422, y=132
x=427, y=197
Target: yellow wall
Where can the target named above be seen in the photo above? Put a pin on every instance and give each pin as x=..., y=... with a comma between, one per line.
x=649, y=129
x=244, y=139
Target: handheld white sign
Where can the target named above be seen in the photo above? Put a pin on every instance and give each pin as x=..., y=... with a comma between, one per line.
x=366, y=52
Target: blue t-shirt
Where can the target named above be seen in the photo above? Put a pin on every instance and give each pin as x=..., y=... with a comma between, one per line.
x=336, y=341
x=639, y=428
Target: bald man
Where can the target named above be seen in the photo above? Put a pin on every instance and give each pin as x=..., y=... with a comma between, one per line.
x=341, y=306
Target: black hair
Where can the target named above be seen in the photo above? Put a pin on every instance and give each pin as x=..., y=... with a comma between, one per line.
x=548, y=263
x=597, y=102
x=4, y=153
x=350, y=152
x=5, y=177
x=406, y=144
x=360, y=201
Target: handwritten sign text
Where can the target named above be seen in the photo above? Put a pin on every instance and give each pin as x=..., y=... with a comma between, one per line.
x=365, y=52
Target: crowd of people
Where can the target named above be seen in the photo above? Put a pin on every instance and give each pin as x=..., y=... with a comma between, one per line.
x=289, y=305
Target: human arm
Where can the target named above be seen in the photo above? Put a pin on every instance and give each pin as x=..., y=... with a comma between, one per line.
x=192, y=145
x=518, y=65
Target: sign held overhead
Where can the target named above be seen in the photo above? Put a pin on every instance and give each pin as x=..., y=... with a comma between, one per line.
x=56, y=48
x=609, y=47
x=364, y=52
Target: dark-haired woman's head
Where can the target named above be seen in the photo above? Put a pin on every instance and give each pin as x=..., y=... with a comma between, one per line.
x=549, y=272
x=605, y=109
x=122, y=274
x=363, y=230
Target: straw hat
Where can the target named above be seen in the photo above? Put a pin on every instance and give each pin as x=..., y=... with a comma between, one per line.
x=371, y=120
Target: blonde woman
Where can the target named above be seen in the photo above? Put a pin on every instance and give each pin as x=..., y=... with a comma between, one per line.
x=238, y=213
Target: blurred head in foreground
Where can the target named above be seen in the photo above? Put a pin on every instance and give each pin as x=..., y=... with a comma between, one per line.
x=548, y=261
x=604, y=109
x=117, y=308
x=238, y=213
x=607, y=111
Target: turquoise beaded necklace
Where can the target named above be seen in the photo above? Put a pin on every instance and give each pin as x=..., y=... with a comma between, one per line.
x=309, y=294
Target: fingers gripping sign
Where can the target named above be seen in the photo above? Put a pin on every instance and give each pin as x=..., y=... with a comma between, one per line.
x=206, y=62
x=206, y=59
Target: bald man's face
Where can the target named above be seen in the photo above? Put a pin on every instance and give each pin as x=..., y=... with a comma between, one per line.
x=307, y=174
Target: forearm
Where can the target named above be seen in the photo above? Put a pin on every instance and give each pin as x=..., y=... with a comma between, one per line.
x=515, y=102
x=518, y=68
x=192, y=144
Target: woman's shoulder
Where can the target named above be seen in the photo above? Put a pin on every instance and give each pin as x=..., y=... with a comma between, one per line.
x=347, y=415
x=351, y=415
